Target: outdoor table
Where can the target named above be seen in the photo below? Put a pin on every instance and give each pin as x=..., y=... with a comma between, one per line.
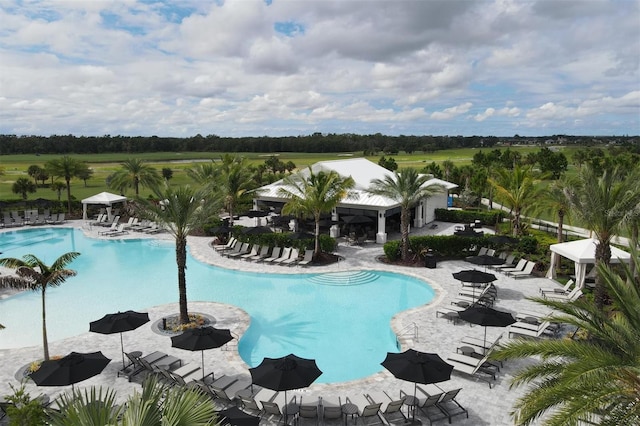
x=290, y=409
x=466, y=350
x=349, y=409
x=167, y=362
x=411, y=401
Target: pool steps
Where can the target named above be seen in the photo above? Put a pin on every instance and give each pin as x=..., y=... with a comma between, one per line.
x=344, y=278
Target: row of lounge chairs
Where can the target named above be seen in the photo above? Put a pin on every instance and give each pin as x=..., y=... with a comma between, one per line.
x=262, y=253
x=13, y=219
x=521, y=269
x=115, y=228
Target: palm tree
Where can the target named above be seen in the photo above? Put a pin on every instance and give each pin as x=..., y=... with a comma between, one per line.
x=155, y=405
x=601, y=203
x=180, y=211
x=598, y=373
x=234, y=180
x=314, y=194
x=58, y=187
x=517, y=190
x=23, y=186
x=67, y=168
x=135, y=172
x=33, y=274
x=406, y=187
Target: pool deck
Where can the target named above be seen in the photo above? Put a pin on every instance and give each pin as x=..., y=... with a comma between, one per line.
x=485, y=406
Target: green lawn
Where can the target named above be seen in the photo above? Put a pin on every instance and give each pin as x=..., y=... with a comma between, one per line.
x=16, y=166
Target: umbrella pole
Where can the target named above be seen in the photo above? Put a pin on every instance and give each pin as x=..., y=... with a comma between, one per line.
x=415, y=402
x=484, y=347
x=122, y=350
x=202, y=352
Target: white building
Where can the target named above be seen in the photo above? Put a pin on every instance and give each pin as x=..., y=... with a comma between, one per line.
x=381, y=210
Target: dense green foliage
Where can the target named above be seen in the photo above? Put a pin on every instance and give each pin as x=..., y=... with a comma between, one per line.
x=487, y=218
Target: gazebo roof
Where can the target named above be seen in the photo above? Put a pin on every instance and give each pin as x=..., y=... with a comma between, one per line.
x=106, y=198
x=584, y=251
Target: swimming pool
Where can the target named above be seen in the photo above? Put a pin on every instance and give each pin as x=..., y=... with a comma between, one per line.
x=341, y=320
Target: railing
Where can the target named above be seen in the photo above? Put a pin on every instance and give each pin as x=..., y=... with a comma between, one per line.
x=410, y=331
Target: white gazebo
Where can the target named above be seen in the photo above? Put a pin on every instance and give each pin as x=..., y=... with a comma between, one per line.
x=105, y=199
x=583, y=253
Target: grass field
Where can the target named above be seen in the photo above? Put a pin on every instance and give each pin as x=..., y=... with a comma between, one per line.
x=103, y=165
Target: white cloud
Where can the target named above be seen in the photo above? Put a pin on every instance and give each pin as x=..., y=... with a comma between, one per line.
x=449, y=113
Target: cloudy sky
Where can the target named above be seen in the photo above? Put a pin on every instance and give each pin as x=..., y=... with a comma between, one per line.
x=294, y=67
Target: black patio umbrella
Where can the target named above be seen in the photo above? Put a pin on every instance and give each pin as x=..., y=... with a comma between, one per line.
x=503, y=239
x=257, y=230
x=417, y=367
x=301, y=236
x=70, y=369
x=328, y=222
x=474, y=276
x=487, y=317
x=119, y=323
x=286, y=373
x=357, y=220
x=484, y=260
x=257, y=213
x=236, y=417
x=199, y=339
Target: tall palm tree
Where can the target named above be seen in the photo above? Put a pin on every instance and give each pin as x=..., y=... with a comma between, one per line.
x=314, y=194
x=601, y=203
x=595, y=374
x=67, y=168
x=135, y=172
x=180, y=211
x=155, y=405
x=406, y=187
x=23, y=186
x=555, y=202
x=234, y=180
x=33, y=274
x=516, y=189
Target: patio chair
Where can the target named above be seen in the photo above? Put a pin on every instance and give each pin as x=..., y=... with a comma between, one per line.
x=367, y=411
x=309, y=411
x=390, y=407
x=293, y=259
x=449, y=406
x=476, y=367
x=307, y=259
x=253, y=252
x=286, y=254
x=531, y=330
x=556, y=289
x=275, y=253
x=427, y=404
x=111, y=228
x=118, y=231
x=509, y=262
x=249, y=401
x=519, y=267
x=262, y=253
x=238, y=249
x=185, y=374
x=331, y=409
x=570, y=297
x=525, y=273
x=227, y=395
x=230, y=244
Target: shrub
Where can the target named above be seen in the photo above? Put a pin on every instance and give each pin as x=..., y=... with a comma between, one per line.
x=489, y=218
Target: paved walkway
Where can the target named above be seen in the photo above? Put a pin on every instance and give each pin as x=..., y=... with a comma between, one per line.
x=486, y=406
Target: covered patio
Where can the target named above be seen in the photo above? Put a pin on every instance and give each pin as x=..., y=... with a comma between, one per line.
x=105, y=199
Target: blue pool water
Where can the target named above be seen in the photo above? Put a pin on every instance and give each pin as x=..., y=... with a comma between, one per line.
x=341, y=320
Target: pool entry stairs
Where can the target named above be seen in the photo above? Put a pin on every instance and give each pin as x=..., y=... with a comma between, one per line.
x=346, y=278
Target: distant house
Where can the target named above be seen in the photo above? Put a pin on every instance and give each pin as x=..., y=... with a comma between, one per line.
x=382, y=211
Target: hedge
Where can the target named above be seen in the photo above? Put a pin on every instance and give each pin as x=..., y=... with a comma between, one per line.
x=486, y=217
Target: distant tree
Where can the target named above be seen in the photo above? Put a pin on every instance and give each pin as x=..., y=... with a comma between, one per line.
x=233, y=180
x=85, y=174
x=135, y=172
x=23, y=186
x=43, y=176
x=434, y=170
x=67, y=168
x=34, y=171
x=167, y=173
x=33, y=274
x=274, y=164
x=516, y=189
x=58, y=187
x=202, y=173
x=388, y=163
x=448, y=168
x=553, y=163
x=289, y=166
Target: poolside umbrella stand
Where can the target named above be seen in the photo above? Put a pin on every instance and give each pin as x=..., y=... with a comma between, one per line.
x=286, y=373
x=200, y=339
x=487, y=317
x=119, y=323
x=417, y=367
x=236, y=417
x=70, y=369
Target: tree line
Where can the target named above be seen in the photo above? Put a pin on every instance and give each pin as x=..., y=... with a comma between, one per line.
x=314, y=143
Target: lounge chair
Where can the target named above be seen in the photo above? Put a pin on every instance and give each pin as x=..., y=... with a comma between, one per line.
x=186, y=373
x=279, y=408
x=449, y=406
x=286, y=254
x=477, y=367
x=153, y=228
x=309, y=409
x=366, y=409
x=293, y=259
x=570, y=297
x=139, y=364
x=556, y=289
x=509, y=262
x=519, y=267
x=390, y=407
x=428, y=398
x=112, y=228
x=482, y=251
x=237, y=249
x=253, y=252
x=230, y=244
x=263, y=252
x=525, y=273
x=227, y=396
x=118, y=231
x=531, y=330
x=481, y=344
x=106, y=223
x=307, y=259
x=331, y=409
x=275, y=254
x=142, y=225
